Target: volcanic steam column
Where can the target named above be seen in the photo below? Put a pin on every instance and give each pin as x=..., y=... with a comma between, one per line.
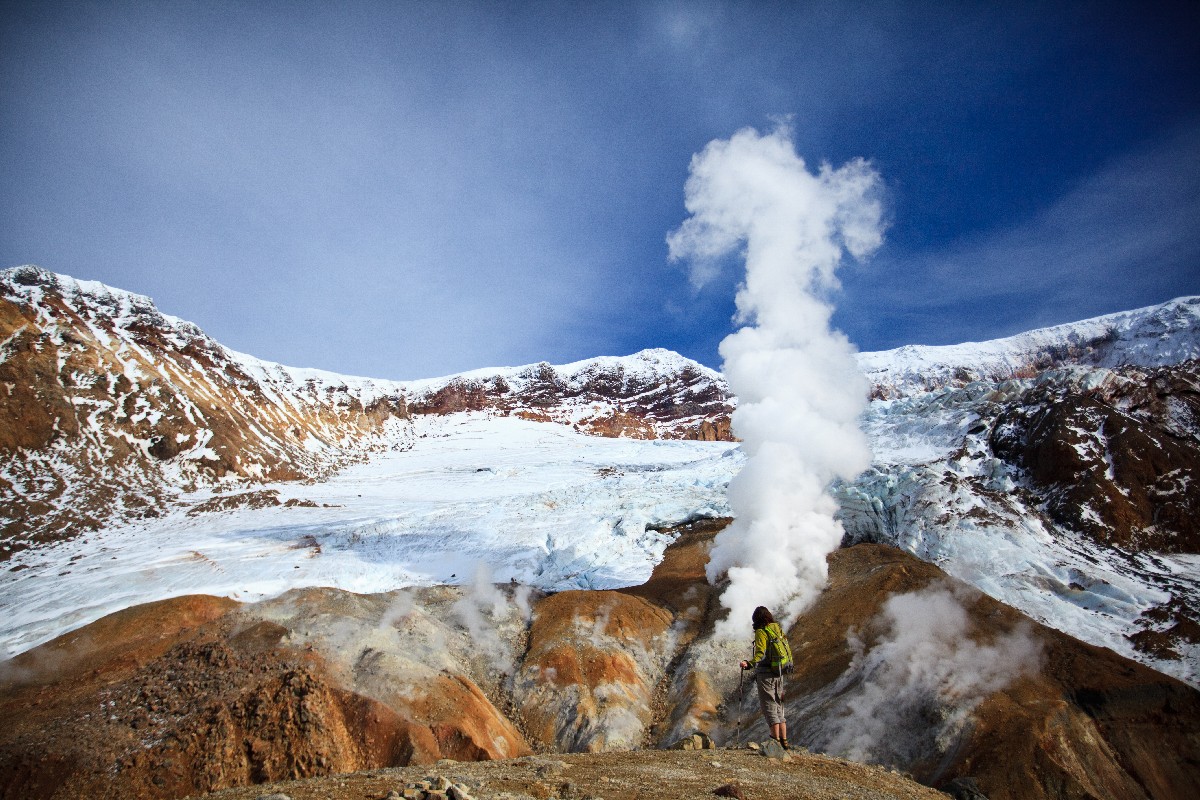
x=799, y=390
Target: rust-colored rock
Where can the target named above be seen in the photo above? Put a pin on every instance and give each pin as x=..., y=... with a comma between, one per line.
x=1088, y=723
x=192, y=694
x=594, y=658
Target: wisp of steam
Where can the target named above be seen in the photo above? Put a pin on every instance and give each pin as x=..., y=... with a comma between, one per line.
x=799, y=390
x=912, y=693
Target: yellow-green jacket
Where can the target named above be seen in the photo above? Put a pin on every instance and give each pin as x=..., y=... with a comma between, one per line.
x=762, y=637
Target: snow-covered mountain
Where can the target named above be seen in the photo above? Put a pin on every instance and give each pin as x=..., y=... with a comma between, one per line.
x=405, y=554
x=1058, y=471
x=112, y=408
x=1157, y=336
x=1055, y=470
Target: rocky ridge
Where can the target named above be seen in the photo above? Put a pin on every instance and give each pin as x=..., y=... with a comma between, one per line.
x=112, y=409
x=1155, y=336
x=653, y=394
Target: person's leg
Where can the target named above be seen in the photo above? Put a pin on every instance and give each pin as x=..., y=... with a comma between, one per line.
x=779, y=722
x=765, y=698
x=770, y=699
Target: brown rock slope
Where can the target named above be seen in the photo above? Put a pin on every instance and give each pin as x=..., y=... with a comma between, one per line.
x=1119, y=460
x=196, y=694
x=171, y=698
x=1081, y=722
x=108, y=407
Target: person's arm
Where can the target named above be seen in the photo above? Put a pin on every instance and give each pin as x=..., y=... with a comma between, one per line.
x=760, y=649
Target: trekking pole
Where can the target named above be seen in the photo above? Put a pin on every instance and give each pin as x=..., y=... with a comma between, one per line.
x=738, y=714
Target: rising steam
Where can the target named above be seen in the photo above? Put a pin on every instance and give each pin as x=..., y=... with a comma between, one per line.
x=483, y=608
x=911, y=694
x=799, y=390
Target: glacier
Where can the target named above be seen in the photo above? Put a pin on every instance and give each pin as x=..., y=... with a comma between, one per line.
x=534, y=502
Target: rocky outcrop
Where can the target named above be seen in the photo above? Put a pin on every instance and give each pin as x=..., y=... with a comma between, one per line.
x=109, y=408
x=1115, y=455
x=586, y=682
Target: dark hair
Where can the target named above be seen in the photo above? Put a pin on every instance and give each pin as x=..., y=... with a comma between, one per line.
x=762, y=617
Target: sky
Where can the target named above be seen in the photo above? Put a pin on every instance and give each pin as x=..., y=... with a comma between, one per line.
x=411, y=189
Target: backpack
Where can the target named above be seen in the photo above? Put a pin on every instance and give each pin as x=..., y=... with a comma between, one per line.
x=779, y=652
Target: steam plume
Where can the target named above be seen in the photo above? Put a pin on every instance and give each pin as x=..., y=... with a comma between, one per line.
x=799, y=390
x=911, y=694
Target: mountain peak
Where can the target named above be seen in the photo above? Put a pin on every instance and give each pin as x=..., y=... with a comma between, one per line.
x=1154, y=336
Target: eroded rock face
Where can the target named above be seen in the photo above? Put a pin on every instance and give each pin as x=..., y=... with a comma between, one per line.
x=109, y=407
x=586, y=683
x=1118, y=459
x=439, y=658
x=179, y=697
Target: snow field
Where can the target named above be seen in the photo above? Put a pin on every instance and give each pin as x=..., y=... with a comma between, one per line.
x=535, y=502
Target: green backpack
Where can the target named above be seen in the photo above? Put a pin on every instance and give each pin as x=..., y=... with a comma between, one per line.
x=779, y=652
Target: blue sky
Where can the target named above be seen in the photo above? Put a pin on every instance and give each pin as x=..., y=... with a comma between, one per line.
x=410, y=189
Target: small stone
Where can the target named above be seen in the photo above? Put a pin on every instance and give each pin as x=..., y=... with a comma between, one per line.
x=458, y=792
x=275, y=796
x=773, y=749
x=716, y=764
x=730, y=790
x=394, y=795
x=753, y=746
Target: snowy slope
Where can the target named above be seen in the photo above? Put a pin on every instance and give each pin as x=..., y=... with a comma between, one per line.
x=114, y=408
x=535, y=502
x=938, y=490
x=1148, y=337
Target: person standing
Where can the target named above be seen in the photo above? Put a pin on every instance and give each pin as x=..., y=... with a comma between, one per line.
x=772, y=658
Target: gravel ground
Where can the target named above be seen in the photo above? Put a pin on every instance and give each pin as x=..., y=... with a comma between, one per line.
x=620, y=776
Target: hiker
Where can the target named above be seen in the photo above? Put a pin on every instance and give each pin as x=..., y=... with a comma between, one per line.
x=772, y=658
